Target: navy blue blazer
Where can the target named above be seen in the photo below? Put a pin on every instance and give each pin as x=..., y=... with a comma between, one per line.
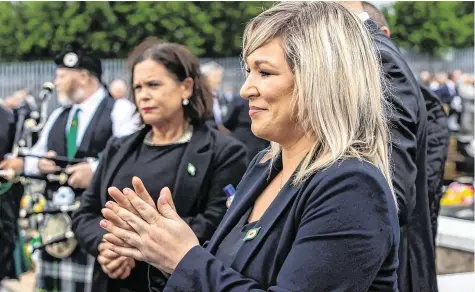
x=444, y=94
x=338, y=231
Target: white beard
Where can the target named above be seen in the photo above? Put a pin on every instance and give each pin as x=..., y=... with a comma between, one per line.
x=63, y=99
x=78, y=96
x=75, y=98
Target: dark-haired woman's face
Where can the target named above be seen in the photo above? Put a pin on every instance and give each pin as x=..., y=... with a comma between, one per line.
x=158, y=94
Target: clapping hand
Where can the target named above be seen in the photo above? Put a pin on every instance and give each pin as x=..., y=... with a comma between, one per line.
x=147, y=232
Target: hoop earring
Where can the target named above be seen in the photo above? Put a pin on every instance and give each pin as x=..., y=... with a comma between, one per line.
x=185, y=102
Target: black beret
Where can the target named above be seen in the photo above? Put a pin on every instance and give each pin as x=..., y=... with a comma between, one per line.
x=79, y=59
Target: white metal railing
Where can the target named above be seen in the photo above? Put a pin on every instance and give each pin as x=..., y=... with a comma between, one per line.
x=456, y=234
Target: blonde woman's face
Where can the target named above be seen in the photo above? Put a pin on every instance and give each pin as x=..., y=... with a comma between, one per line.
x=268, y=88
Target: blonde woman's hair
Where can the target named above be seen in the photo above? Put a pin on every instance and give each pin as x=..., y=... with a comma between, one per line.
x=338, y=93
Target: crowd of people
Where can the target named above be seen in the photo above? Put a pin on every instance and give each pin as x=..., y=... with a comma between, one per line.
x=336, y=152
x=457, y=90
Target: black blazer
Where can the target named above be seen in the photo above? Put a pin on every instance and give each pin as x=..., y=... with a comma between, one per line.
x=438, y=138
x=336, y=232
x=199, y=199
x=408, y=125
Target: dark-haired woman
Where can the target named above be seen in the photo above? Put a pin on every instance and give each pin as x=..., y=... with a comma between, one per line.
x=175, y=148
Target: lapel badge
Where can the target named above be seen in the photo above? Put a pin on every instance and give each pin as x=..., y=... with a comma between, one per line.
x=191, y=169
x=251, y=234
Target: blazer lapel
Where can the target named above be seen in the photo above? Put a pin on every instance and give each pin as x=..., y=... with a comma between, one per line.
x=267, y=221
x=123, y=152
x=256, y=181
x=59, y=133
x=192, y=169
x=91, y=128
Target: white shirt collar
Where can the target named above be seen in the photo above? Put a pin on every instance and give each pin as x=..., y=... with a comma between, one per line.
x=90, y=104
x=363, y=16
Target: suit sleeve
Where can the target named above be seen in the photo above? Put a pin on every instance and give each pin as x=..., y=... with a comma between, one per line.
x=230, y=165
x=344, y=235
x=404, y=99
x=86, y=219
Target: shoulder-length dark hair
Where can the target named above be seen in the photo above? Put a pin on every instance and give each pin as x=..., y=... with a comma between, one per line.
x=180, y=63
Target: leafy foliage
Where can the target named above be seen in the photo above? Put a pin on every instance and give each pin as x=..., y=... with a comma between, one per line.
x=36, y=30
x=432, y=27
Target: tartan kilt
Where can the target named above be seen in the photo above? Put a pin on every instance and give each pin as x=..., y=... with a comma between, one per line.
x=71, y=274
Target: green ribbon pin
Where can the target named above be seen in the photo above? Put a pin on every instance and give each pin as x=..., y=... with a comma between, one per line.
x=251, y=234
x=191, y=169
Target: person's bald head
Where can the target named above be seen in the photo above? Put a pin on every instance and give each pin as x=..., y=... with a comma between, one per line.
x=118, y=89
x=377, y=16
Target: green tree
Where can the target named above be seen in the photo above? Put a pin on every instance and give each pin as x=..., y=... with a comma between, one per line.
x=432, y=27
x=37, y=30
x=9, y=22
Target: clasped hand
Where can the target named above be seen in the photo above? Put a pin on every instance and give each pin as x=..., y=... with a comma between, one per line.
x=149, y=232
x=112, y=264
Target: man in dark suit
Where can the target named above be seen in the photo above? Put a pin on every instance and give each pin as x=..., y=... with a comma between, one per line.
x=408, y=159
x=449, y=90
x=232, y=112
x=448, y=93
x=437, y=131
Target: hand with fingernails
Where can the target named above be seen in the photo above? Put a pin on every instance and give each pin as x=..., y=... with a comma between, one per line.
x=114, y=265
x=138, y=228
x=80, y=175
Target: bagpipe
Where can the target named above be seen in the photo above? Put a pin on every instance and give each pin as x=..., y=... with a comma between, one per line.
x=31, y=121
x=45, y=222
x=59, y=177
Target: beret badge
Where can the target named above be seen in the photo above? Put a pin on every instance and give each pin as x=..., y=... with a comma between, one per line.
x=70, y=59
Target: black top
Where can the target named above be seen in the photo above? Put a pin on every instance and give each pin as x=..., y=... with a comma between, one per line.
x=231, y=244
x=152, y=165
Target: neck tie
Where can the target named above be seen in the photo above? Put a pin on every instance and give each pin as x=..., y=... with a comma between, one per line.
x=72, y=135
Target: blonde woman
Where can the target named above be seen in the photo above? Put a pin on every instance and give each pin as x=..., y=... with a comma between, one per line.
x=315, y=212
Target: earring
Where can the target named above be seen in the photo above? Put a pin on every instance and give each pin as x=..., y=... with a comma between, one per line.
x=185, y=102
